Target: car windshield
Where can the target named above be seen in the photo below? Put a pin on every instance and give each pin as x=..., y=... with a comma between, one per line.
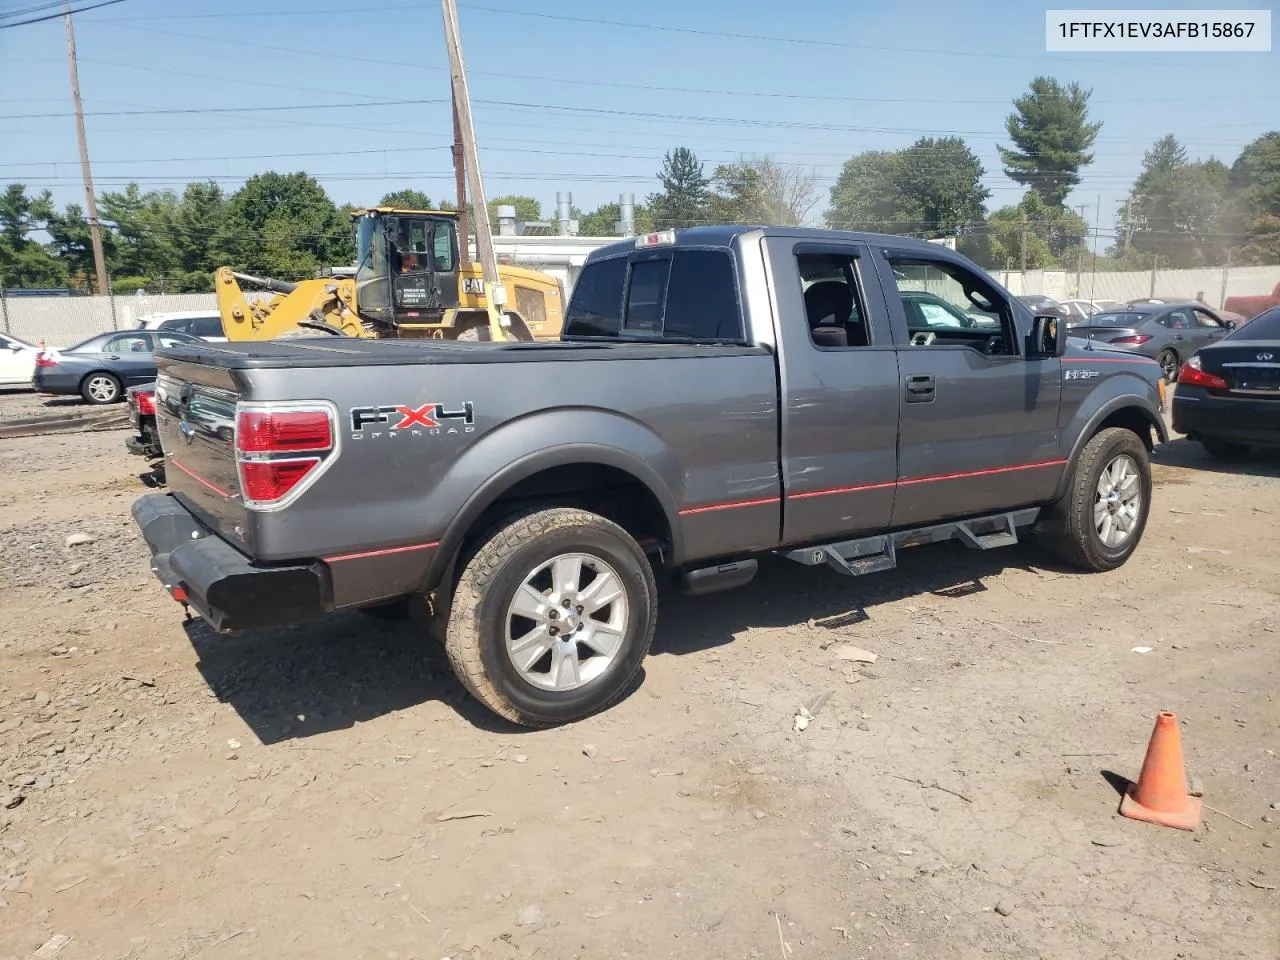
x=1265, y=326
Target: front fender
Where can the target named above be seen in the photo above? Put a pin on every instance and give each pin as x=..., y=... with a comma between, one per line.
x=527, y=446
x=1121, y=392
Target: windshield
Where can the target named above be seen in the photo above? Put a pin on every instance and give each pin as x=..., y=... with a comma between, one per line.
x=1265, y=326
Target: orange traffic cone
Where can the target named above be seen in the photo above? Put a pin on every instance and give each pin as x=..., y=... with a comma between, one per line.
x=1160, y=795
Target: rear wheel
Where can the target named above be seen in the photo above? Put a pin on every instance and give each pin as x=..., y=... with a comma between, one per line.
x=552, y=616
x=1169, y=365
x=1221, y=449
x=1100, y=521
x=100, y=387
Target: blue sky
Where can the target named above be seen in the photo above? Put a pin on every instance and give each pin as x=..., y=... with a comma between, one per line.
x=564, y=103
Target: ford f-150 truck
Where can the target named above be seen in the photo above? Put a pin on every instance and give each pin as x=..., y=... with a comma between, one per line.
x=719, y=394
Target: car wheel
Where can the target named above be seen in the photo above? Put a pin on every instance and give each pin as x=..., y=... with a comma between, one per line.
x=1101, y=519
x=1221, y=449
x=551, y=616
x=1169, y=365
x=101, y=387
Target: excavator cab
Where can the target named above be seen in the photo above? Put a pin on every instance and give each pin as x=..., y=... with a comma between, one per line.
x=407, y=265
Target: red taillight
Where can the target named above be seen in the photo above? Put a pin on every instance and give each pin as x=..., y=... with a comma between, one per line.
x=1136, y=341
x=146, y=404
x=283, y=431
x=265, y=481
x=44, y=360
x=1193, y=376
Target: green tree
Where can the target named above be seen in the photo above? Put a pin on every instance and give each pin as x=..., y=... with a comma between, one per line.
x=1045, y=234
x=406, y=199
x=283, y=225
x=200, y=215
x=685, y=197
x=1177, y=210
x=25, y=262
x=528, y=209
x=144, y=236
x=73, y=244
x=603, y=220
x=1254, y=185
x=1051, y=136
x=931, y=189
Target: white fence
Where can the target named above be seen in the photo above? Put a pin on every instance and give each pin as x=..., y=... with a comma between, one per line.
x=1210, y=285
x=63, y=321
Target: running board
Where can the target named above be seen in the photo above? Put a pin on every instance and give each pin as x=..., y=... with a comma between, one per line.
x=873, y=554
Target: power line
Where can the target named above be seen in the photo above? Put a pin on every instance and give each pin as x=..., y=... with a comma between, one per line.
x=55, y=16
x=543, y=78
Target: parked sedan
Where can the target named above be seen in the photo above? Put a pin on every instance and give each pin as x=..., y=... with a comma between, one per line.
x=1168, y=333
x=17, y=360
x=101, y=367
x=1228, y=394
x=1080, y=310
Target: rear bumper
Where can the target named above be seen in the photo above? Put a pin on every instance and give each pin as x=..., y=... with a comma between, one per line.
x=224, y=586
x=1239, y=420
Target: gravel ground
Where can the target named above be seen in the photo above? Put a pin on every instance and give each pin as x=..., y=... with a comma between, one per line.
x=330, y=791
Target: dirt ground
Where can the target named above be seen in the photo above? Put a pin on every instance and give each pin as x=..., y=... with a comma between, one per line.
x=329, y=791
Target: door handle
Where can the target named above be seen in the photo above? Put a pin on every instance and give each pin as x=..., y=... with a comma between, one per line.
x=921, y=388
x=1177, y=336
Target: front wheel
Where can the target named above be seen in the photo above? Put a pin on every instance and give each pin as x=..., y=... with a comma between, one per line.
x=1101, y=519
x=552, y=616
x=99, y=388
x=1169, y=365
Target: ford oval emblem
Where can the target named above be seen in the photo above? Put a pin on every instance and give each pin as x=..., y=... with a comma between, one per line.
x=187, y=430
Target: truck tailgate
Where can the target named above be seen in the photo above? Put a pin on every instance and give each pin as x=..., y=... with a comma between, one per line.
x=195, y=417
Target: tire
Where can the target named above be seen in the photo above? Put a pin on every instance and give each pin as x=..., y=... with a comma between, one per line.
x=1221, y=449
x=523, y=558
x=1169, y=365
x=1078, y=519
x=100, y=388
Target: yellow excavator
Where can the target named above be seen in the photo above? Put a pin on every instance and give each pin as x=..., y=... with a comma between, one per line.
x=409, y=281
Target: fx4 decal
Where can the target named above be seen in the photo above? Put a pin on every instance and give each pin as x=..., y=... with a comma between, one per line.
x=429, y=419
x=1080, y=374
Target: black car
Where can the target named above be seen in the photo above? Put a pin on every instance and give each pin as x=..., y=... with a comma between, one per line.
x=100, y=368
x=1228, y=394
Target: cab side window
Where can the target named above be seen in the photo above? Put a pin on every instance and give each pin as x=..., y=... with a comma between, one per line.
x=442, y=248
x=947, y=305
x=832, y=300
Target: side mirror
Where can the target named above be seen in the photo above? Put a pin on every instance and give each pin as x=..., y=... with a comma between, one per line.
x=1048, y=337
x=1229, y=324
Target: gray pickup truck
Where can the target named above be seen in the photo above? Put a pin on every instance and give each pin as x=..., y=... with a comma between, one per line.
x=719, y=394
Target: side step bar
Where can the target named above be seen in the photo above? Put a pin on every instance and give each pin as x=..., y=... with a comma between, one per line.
x=873, y=554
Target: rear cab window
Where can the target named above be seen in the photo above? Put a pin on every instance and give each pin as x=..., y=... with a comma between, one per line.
x=677, y=295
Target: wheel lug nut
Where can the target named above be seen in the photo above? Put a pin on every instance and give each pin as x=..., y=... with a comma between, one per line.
x=554, y=614
x=566, y=604
x=553, y=631
x=579, y=609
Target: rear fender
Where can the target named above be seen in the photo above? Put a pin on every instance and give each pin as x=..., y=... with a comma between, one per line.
x=521, y=448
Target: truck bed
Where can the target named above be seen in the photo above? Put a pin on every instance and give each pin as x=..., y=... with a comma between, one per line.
x=328, y=351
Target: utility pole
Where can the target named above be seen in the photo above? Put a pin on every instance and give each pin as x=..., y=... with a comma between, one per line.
x=496, y=295
x=1023, y=249
x=460, y=184
x=91, y=204
x=1080, y=254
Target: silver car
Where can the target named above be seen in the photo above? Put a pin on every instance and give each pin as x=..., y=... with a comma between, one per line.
x=1168, y=333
